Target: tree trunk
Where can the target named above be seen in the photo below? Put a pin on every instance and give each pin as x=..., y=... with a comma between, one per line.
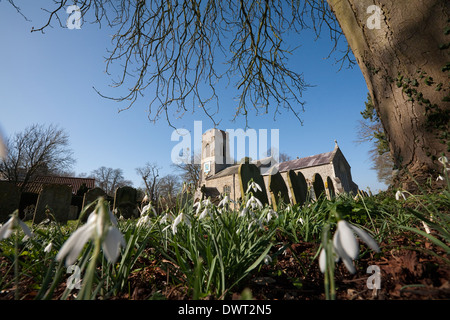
x=405, y=62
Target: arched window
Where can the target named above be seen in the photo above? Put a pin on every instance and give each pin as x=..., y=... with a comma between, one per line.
x=207, y=151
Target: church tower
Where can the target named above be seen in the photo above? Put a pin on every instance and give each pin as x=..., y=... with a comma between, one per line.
x=215, y=152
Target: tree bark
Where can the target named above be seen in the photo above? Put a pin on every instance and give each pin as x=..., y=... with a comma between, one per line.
x=406, y=66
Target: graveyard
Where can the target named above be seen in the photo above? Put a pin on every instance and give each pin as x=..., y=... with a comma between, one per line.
x=213, y=249
x=231, y=215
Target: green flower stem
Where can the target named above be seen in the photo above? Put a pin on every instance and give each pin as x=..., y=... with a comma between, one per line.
x=16, y=263
x=86, y=288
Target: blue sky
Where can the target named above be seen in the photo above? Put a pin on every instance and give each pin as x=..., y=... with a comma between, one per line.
x=49, y=79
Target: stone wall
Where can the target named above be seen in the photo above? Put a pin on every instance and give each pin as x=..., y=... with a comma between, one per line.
x=326, y=172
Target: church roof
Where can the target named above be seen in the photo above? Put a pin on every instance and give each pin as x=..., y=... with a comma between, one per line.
x=311, y=161
x=306, y=162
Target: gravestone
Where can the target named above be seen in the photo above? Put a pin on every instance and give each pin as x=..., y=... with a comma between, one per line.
x=73, y=213
x=125, y=202
x=329, y=186
x=9, y=199
x=57, y=198
x=248, y=172
x=318, y=186
x=89, y=197
x=278, y=190
x=298, y=187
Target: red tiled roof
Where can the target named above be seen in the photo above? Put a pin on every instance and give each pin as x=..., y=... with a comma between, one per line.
x=35, y=186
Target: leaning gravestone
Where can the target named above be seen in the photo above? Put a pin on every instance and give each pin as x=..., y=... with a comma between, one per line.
x=56, y=198
x=73, y=213
x=125, y=202
x=249, y=172
x=89, y=197
x=278, y=190
x=318, y=186
x=9, y=199
x=329, y=186
x=298, y=187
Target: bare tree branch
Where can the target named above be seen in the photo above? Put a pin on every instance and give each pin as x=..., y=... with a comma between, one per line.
x=180, y=51
x=36, y=150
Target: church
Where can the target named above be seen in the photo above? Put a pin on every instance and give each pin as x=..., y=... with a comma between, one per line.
x=330, y=171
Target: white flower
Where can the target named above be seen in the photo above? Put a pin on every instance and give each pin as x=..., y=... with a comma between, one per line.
x=301, y=221
x=146, y=209
x=271, y=213
x=253, y=185
x=254, y=203
x=267, y=259
x=144, y=221
x=180, y=218
x=207, y=202
x=399, y=194
x=345, y=245
x=101, y=224
x=13, y=223
x=204, y=213
x=440, y=178
x=198, y=206
x=322, y=260
x=48, y=248
x=168, y=216
x=443, y=160
x=224, y=202
x=243, y=212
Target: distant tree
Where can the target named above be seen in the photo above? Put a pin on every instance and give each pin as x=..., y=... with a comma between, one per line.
x=38, y=150
x=282, y=156
x=190, y=172
x=109, y=179
x=170, y=186
x=149, y=174
x=371, y=131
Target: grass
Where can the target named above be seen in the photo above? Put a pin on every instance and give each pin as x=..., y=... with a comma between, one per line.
x=217, y=255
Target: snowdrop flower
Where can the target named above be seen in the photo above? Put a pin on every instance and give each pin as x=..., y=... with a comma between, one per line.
x=254, y=203
x=48, y=248
x=147, y=208
x=14, y=223
x=399, y=194
x=224, y=201
x=144, y=221
x=267, y=259
x=243, y=212
x=207, y=202
x=198, y=206
x=271, y=213
x=301, y=221
x=440, y=178
x=253, y=185
x=101, y=224
x=180, y=218
x=345, y=245
x=168, y=216
x=443, y=160
x=205, y=212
